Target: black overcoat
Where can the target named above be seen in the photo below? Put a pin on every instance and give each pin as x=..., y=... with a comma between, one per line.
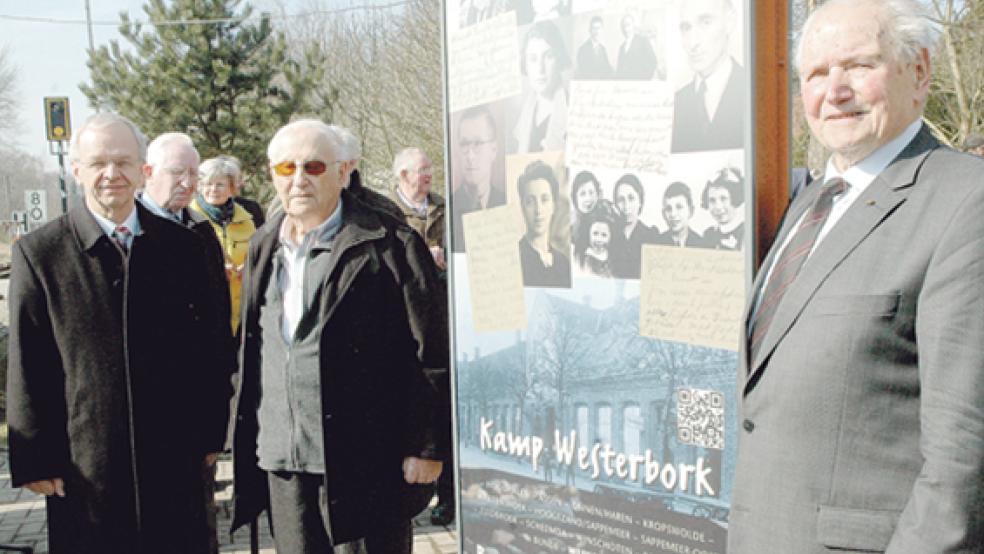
x=115, y=384
x=382, y=323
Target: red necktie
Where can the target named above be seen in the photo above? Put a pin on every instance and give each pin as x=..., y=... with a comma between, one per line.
x=121, y=236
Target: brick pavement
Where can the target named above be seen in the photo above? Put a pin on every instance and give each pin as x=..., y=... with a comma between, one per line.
x=22, y=522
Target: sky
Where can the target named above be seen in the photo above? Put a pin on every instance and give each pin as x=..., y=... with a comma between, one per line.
x=50, y=57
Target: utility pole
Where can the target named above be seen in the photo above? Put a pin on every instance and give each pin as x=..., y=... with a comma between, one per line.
x=88, y=21
x=92, y=45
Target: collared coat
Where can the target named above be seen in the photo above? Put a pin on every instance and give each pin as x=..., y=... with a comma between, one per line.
x=430, y=226
x=379, y=329
x=115, y=383
x=233, y=238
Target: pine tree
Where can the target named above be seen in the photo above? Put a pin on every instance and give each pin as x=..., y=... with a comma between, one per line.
x=207, y=68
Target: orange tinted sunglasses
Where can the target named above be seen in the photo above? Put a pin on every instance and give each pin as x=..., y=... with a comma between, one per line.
x=312, y=168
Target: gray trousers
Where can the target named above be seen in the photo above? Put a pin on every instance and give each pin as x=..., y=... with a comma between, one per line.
x=300, y=522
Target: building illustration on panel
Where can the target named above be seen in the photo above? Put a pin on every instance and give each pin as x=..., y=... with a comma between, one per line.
x=584, y=375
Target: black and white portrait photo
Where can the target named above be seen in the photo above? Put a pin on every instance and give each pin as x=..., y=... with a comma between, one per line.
x=630, y=200
x=544, y=265
x=724, y=199
x=708, y=112
x=620, y=46
x=541, y=124
x=636, y=58
x=477, y=166
x=678, y=210
x=592, y=56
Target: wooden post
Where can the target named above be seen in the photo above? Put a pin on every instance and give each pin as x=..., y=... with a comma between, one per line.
x=771, y=141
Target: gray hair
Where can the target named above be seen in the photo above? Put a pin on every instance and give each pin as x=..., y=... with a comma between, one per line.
x=158, y=146
x=220, y=166
x=316, y=125
x=404, y=159
x=908, y=28
x=100, y=121
x=351, y=148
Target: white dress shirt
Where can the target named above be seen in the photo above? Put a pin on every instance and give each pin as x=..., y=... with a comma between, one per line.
x=714, y=84
x=859, y=176
x=294, y=261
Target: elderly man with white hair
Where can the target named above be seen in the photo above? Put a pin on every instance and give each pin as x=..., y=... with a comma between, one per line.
x=422, y=208
x=862, y=424
x=171, y=177
x=337, y=422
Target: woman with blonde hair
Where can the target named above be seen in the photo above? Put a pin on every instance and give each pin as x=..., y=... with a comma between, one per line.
x=233, y=225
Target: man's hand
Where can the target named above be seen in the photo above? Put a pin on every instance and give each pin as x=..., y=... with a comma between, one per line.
x=419, y=470
x=210, y=459
x=48, y=487
x=438, y=254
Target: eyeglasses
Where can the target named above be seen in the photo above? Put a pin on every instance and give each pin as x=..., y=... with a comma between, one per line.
x=312, y=168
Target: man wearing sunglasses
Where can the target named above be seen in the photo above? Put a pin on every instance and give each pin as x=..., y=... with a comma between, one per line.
x=336, y=420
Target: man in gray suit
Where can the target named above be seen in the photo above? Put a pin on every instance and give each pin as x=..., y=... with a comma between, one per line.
x=862, y=424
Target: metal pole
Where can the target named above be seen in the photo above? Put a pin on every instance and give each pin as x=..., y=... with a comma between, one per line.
x=92, y=45
x=88, y=20
x=61, y=175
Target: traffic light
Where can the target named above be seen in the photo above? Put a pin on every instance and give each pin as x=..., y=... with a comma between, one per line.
x=57, y=121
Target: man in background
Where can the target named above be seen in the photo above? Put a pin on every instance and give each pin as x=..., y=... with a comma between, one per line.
x=422, y=209
x=170, y=183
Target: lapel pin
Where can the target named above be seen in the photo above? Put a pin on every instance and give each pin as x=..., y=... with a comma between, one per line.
x=871, y=202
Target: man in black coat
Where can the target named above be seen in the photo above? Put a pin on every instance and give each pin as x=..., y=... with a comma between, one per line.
x=116, y=391
x=338, y=432
x=170, y=182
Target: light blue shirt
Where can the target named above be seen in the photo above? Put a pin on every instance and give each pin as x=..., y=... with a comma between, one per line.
x=156, y=209
x=131, y=222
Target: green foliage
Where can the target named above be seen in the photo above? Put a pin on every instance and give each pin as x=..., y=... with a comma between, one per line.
x=228, y=84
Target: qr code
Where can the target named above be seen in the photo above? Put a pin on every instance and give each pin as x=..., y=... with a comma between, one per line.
x=700, y=417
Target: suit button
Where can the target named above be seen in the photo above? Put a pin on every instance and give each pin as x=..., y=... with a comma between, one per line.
x=747, y=425
x=327, y=417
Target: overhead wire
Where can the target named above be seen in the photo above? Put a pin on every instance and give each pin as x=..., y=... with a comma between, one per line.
x=209, y=21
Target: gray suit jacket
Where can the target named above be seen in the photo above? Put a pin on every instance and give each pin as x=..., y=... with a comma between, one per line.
x=862, y=424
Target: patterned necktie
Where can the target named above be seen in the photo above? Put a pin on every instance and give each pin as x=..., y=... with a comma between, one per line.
x=121, y=235
x=791, y=260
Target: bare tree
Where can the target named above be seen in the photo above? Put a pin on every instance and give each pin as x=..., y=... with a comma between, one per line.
x=382, y=79
x=956, y=101
x=8, y=97
x=955, y=108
